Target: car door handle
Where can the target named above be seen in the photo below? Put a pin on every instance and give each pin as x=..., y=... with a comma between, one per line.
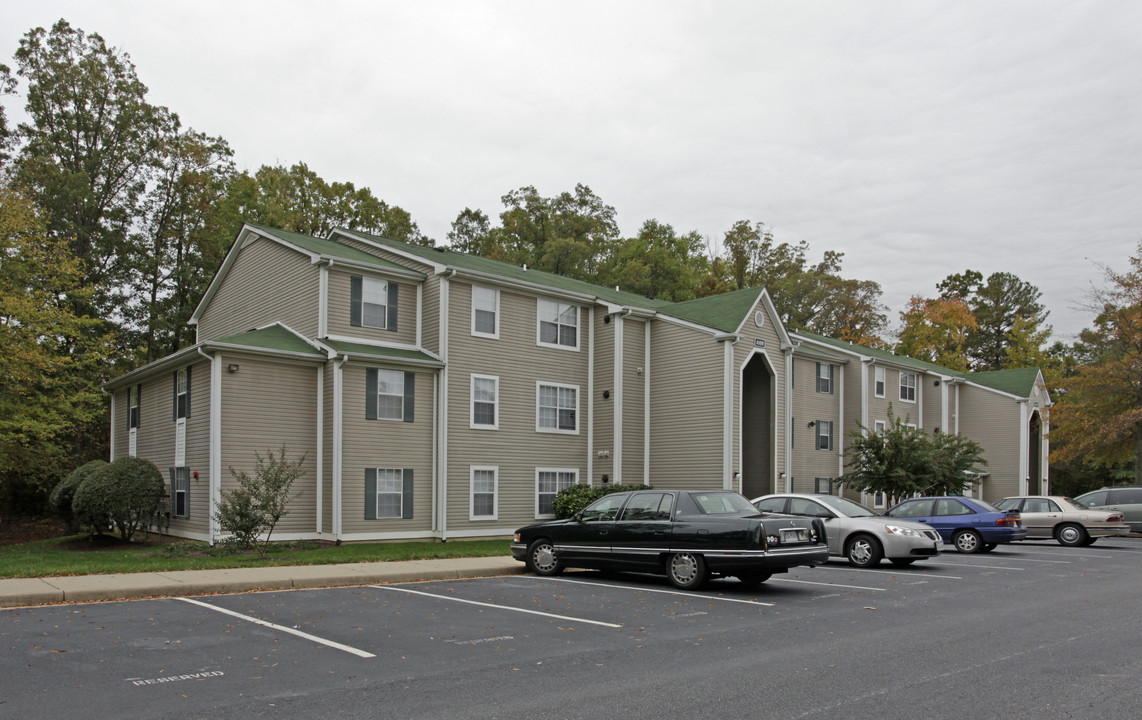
x=659, y=532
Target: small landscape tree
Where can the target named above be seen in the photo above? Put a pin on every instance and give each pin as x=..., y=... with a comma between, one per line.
x=253, y=509
x=127, y=494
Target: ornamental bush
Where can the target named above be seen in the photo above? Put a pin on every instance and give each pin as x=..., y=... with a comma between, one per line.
x=253, y=509
x=127, y=495
x=571, y=500
x=64, y=491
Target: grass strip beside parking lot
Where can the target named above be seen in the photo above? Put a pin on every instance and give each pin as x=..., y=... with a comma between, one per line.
x=60, y=556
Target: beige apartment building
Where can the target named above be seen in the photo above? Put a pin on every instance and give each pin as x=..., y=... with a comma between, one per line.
x=441, y=395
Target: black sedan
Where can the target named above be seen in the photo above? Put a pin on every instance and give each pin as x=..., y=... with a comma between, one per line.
x=687, y=535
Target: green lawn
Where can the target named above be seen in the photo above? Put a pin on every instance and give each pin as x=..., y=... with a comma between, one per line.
x=47, y=557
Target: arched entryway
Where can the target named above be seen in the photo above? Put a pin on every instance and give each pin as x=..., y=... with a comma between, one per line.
x=759, y=400
x=1034, y=454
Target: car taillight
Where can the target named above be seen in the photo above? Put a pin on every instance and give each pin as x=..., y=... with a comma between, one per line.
x=1116, y=518
x=1007, y=522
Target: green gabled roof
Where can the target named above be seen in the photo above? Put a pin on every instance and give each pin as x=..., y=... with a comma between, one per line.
x=329, y=248
x=378, y=351
x=511, y=271
x=723, y=312
x=885, y=355
x=1019, y=382
x=271, y=337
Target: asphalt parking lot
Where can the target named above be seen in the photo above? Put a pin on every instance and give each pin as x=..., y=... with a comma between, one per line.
x=1032, y=630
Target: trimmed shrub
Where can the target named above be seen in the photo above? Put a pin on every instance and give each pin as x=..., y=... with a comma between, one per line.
x=64, y=491
x=127, y=494
x=571, y=500
x=253, y=509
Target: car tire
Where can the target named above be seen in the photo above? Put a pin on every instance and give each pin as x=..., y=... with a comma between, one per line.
x=989, y=547
x=686, y=570
x=968, y=541
x=902, y=562
x=754, y=579
x=1071, y=535
x=1090, y=541
x=863, y=551
x=542, y=560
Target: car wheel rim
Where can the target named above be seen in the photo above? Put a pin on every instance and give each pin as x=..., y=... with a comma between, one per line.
x=966, y=542
x=860, y=552
x=544, y=558
x=1069, y=534
x=684, y=568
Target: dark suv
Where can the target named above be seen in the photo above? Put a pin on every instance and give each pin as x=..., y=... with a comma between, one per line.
x=1128, y=500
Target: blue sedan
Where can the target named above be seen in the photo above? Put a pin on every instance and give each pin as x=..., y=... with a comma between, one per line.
x=969, y=524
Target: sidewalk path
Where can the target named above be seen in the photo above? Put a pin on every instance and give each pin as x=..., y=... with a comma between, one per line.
x=19, y=592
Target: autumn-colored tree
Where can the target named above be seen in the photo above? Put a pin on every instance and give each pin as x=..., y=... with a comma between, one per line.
x=48, y=353
x=937, y=330
x=1099, y=415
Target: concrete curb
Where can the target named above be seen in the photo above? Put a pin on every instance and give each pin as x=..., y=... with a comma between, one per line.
x=22, y=592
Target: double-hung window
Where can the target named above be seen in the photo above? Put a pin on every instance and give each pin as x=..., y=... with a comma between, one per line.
x=181, y=413
x=548, y=483
x=483, y=490
x=824, y=434
x=180, y=492
x=878, y=426
x=485, y=402
x=823, y=486
x=485, y=312
x=908, y=387
x=558, y=408
x=133, y=418
x=878, y=382
x=825, y=378
x=373, y=303
x=558, y=324
x=389, y=394
x=388, y=493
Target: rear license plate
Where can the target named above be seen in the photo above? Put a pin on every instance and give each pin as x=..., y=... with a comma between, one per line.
x=790, y=536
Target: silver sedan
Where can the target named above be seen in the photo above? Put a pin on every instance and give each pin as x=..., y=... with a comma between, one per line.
x=857, y=533
x=1067, y=521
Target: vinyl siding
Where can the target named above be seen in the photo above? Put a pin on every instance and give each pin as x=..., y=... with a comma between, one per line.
x=267, y=405
x=604, y=426
x=634, y=401
x=430, y=315
x=686, y=392
x=267, y=283
x=327, y=454
x=810, y=406
x=339, y=308
x=516, y=448
x=384, y=444
x=992, y=420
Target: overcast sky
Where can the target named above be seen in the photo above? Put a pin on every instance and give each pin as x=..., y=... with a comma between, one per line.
x=919, y=138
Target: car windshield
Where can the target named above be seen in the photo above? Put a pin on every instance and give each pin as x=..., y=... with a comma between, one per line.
x=845, y=506
x=722, y=503
x=983, y=505
x=1008, y=504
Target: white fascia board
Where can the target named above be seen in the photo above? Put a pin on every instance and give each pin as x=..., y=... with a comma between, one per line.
x=532, y=287
x=717, y=334
x=167, y=363
x=771, y=310
x=371, y=343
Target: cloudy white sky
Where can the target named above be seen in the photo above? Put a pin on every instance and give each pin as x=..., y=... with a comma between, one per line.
x=919, y=138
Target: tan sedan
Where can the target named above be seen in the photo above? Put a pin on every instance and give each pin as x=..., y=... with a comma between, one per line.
x=1067, y=521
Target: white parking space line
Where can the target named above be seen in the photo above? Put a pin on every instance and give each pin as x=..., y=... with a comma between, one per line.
x=656, y=590
x=1056, y=562
x=1047, y=550
x=497, y=607
x=989, y=567
x=900, y=573
x=825, y=584
x=282, y=628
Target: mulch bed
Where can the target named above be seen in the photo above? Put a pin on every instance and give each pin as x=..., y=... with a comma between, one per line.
x=24, y=530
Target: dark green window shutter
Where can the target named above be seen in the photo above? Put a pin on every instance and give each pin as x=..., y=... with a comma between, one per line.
x=370, y=393
x=128, y=413
x=409, y=395
x=370, y=493
x=139, y=399
x=355, y=295
x=394, y=295
x=406, y=494
x=174, y=398
x=174, y=480
x=187, y=412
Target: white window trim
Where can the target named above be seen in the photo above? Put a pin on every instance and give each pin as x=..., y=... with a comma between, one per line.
x=495, y=470
x=828, y=436
x=879, y=426
x=472, y=403
x=538, y=471
x=578, y=323
x=377, y=398
x=365, y=279
x=880, y=375
x=400, y=493
x=915, y=386
x=541, y=384
x=476, y=333
x=828, y=378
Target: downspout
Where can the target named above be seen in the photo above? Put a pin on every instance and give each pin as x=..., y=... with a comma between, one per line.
x=215, y=468
x=787, y=475
x=443, y=410
x=618, y=361
x=111, y=437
